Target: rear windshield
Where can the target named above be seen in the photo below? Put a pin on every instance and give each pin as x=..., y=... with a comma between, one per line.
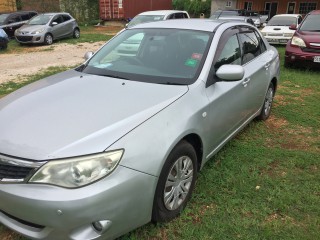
x=282, y=21
x=311, y=23
x=145, y=18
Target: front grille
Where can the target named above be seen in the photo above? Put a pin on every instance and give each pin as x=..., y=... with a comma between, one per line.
x=23, y=221
x=312, y=50
x=13, y=172
x=24, y=38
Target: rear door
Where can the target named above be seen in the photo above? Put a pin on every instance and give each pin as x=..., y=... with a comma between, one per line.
x=256, y=61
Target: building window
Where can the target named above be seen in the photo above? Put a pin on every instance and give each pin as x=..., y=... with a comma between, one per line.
x=120, y=4
x=306, y=7
x=248, y=6
x=228, y=4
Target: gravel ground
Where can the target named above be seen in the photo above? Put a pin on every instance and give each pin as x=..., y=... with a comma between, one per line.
x=16, y=67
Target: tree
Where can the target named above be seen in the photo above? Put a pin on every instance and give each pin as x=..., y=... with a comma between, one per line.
x=194, y=7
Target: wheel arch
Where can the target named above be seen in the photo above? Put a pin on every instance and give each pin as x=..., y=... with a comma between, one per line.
x=197, y=144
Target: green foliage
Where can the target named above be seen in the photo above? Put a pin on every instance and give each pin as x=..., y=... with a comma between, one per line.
x=85, y=11
x=194, y=7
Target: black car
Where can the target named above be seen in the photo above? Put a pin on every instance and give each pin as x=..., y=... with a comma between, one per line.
x=9, y=22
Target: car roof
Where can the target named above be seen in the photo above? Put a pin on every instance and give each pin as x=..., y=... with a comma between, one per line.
x=208, y=25
x=54, y=13
x=160, y=12
x=287, y=15
x=314, y=12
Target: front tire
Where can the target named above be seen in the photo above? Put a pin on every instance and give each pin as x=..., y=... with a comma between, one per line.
x=48, y=39
x=267, y=104
x=176, y=183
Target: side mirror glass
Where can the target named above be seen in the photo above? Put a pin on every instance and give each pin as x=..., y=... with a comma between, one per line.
x=293, y=27
x=230, y=72
x=88, y=55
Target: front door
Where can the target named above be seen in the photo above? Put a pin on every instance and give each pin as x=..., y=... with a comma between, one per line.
x=291, y=7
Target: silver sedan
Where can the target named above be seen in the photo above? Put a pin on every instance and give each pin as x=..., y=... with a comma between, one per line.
x=98, y=151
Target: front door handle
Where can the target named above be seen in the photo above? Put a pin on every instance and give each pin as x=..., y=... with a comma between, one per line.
x=246, y=81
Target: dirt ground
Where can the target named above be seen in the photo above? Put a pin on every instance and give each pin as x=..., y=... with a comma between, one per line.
x=15, y=67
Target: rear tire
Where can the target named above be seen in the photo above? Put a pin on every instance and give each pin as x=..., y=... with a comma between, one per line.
x=267, y=104
x=176, y=183
x=76, y=33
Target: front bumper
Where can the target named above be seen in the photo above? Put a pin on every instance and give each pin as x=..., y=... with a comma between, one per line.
x=277, y=39
x=39, y=211
x=28, y=38
x=295, y=55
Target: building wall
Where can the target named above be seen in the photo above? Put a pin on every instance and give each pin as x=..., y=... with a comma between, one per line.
x=7, y=5
x=259, y=5
x=41, y=6
x=222, y=5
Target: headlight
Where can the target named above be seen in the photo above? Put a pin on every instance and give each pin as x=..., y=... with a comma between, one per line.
x=296, y=41
x=38, y=31
x=78, y=171
x=288, y=34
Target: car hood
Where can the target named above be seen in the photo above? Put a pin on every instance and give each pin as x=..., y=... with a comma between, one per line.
x=31, y=28
x=71, y=114
x=310, y=37
x=277, y=29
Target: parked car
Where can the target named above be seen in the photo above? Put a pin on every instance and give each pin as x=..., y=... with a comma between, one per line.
x=255, y=16
x=277, y=30
x=97, y=151
x=47, y=27
x=264, y=17
x=3, y=39
x=131, y=45
x=232, y=15
x=152, y=16
x=9, y=22
x=304, y=47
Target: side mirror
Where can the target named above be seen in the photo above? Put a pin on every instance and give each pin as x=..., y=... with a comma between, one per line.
x=293, y=27
x=54, y=23
x=88, y=55
x=264, y=24
x=230, y=72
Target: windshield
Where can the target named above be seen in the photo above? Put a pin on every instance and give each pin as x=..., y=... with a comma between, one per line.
x=164, y=56
x=311, y=23
x=3, y=18
x=145, y=18
x=40, y=20
x=282, y=21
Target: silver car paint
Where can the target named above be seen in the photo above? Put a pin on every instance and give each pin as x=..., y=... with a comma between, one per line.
x=191, y=110
x=111, y=114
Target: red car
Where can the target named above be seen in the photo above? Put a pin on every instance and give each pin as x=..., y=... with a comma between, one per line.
x=304, y=47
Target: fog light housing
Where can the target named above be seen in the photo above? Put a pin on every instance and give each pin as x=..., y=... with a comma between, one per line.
x=101, y=226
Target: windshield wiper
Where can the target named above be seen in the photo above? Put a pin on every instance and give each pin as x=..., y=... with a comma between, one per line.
x=113, y=76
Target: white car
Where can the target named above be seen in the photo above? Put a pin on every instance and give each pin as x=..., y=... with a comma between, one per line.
x=277, y=30
x=153, y=16
x=130, y=47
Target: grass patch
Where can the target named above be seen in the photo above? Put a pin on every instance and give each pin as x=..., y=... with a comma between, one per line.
x=264, y=184
x=89, y=34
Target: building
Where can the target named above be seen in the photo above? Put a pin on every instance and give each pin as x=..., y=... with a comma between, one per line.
x=8, y=6
x=280, y=7
x=222, y=5
x=124, y=9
